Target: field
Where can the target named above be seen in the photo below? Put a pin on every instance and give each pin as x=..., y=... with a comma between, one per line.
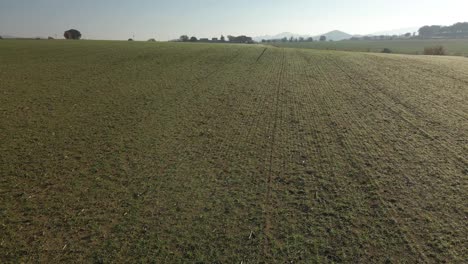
x=456, y=47
x=118, y=152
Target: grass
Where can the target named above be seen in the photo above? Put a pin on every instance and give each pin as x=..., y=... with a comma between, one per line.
x=455, y=47
x=176, y=153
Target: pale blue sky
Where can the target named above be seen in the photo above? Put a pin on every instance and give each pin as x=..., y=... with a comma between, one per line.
x=120, y=19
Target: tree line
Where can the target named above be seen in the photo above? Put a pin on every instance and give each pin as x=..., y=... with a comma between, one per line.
x=458, y=30
x=293, y=39
x=408, y=35
x=232, y=39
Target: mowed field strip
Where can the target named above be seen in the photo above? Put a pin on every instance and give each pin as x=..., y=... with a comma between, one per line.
x=203, y=153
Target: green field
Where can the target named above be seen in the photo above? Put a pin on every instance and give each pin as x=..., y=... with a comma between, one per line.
x=116, y=152
x=455, y=47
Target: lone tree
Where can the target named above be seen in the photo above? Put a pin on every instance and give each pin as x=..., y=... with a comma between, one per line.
x=323, y=38
x=184, y=38
x=223, y=39
x=72, y=34
x=193, y=39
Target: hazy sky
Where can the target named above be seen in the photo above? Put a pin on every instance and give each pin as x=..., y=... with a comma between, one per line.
x=120, y=19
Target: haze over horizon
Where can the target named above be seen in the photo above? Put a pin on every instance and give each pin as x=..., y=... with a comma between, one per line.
x=166, y=20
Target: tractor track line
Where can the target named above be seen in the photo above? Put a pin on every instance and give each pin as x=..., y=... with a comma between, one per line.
x=261, y=55
x=269, y=173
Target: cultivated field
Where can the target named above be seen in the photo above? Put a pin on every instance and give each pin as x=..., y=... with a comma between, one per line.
x=456, y=47
x=115, y=152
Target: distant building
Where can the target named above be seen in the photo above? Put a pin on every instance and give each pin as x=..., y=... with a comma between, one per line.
x=204, y=40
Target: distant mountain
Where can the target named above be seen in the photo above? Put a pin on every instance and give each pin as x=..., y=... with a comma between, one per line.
x=278, y=36
x=7, y=36
x=332, y=35
x=392, y=32
x=336, y=35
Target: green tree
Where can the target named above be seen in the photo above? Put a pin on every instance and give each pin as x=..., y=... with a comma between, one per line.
x=240, y=39
x=429, y=31
x=72, y=34
x=184, y=38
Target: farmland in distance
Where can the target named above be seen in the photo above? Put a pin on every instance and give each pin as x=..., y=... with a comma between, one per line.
x=454, y=47
x=176, y=153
